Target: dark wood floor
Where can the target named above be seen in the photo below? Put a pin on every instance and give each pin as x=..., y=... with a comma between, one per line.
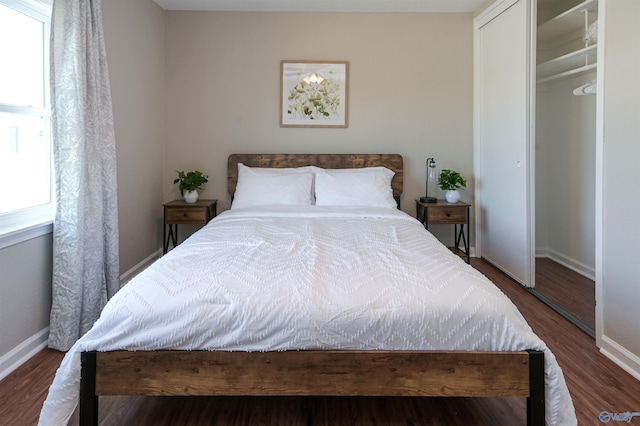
x=574, y=293
x=595, y=383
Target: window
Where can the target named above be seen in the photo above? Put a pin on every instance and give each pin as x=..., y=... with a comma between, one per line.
x=26, y=183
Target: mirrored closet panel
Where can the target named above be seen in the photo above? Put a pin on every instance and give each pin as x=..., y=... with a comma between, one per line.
x=565, y=157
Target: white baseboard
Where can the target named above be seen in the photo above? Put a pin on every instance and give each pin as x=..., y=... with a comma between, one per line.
x=141, y=266
x=575, y=265
x=627, y=360
x=21, y=353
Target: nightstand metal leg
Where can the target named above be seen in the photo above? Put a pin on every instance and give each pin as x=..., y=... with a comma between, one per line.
x=173, y=237
x=465, y=240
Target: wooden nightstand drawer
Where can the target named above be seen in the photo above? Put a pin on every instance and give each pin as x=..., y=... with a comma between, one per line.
x=447, y=215
x=186, y=215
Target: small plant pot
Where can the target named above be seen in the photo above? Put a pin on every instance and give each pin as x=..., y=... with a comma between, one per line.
x=190, y=196
x=452, y=196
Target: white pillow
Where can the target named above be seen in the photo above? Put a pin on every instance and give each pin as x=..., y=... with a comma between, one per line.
x=370, y=186
x=272, y=186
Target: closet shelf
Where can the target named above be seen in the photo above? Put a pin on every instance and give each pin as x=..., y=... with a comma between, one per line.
x=566, y=22
x=574, y=63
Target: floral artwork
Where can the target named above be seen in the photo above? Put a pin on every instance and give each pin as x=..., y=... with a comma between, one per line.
x=314, y=94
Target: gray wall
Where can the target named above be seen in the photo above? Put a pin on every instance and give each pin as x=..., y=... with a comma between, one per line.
x=410, y=90
x=135, y=43
x=620, y=240
x=25, y=297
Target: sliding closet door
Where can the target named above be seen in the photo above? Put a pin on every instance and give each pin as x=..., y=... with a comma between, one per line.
x=502, y=130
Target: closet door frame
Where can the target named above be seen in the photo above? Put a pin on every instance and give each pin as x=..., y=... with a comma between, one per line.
x=493, y=11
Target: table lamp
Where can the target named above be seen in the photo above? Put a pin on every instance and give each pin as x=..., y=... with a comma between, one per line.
x=432, y=177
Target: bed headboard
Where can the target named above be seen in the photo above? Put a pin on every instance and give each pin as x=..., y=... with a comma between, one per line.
x=327, y=161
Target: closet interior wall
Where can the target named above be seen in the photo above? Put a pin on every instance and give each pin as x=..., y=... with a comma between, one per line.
x=565, y=135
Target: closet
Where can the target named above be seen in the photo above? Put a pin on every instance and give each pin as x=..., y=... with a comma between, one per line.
x=535, y=135
x=565, y=147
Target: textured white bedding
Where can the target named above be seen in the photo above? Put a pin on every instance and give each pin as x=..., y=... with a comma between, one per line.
x=308, y=277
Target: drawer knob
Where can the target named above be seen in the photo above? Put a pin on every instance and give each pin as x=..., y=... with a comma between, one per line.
x=447, y=214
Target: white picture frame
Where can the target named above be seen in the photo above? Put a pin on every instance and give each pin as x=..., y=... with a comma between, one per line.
x=314, y=93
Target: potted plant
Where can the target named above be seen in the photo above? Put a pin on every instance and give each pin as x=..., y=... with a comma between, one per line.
x=190, y=183
x=450, y=181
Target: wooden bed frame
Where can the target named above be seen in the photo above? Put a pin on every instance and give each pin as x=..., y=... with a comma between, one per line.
x=314, y=373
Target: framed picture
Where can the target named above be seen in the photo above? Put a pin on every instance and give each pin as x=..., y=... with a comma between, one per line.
x=314, y=94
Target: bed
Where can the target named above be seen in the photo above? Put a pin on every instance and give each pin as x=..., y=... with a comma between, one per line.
x=328, y=289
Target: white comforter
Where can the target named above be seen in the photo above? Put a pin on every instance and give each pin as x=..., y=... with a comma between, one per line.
x=308, y=278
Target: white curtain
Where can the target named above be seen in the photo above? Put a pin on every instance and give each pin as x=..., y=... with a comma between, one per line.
x=85, y=248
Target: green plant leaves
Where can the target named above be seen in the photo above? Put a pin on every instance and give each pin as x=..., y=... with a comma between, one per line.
x=190, y=181
x=450, y=179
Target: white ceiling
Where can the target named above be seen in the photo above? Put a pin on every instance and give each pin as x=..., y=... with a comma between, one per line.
x=324, y=5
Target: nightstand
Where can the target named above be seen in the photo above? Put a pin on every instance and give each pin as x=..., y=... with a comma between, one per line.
x=180, y=212
x=444, y=213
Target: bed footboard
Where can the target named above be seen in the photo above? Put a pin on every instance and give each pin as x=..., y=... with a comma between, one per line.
x=313, y=373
